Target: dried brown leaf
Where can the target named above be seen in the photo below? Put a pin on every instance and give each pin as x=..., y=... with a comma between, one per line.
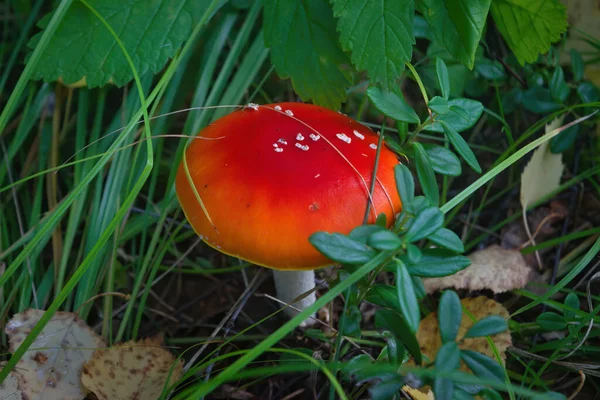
x=131, y=370
x=50, y=368
x=430, y=342
x=497, y=269
x=9, y=389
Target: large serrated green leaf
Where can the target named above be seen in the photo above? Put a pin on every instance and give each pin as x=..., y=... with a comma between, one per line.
x=152, y=31
x=379, y=35
x=304, y=47
x=529, y=26
x=457, y=25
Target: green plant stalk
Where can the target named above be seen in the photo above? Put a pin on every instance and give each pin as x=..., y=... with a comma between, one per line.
x=57, y=17
x=563, y=282
x=53, y=219
x=505, y=164
x=87, y=262
x=419, y=82
x=542, y=200
x=496, y=354
x=140, y=275
x=280, y=333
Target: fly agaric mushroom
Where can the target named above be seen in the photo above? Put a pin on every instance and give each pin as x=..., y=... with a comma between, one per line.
x=264, y=178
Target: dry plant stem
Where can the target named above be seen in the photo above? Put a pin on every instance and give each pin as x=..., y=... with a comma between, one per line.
x=290, y=285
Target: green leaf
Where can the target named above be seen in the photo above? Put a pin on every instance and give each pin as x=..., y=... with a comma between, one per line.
x=381, y=220
x=424, y=224
x=511, y=100
x=559, y=89
x=384, y=296
x=577, y=65
x=355, y=364
x=449, y=316
x=439, y=105
x=436, y=263
x=407, y=297
x=490, y=70
x=529, y=26
x=443, y=161
x=393, y=322
x=457, y=25
x=588, y=93
x=535, y=79
x=490, y=394
x=419, y=287
x=551, y=321
x=447, y=239
x=379, y=35
x=349, y=324
x=482, y=366
x=82, y=46
x=447, y=359
x=421, y=28
x=571, y=301
x=304, y=47
x=426, y=175
x=413, y=253
x=473, y=108
x=392, y=104
x=363, y=232
x=538, y=100
x=564, y=140
x=341, y=248
x=405, y=184
x=419, y=203
x=387, y=389
x=489, y=325
x=384, y=240
x=443, y=78
x=461, y=147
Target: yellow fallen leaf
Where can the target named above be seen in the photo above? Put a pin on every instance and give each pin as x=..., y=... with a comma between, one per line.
x=130, y=371
x=430, y=342
x=494, y=268
x=416, y=394
x=543, y=172
x=50, y=368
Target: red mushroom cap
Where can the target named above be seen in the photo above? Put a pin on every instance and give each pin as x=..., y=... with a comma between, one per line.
x=269, y=176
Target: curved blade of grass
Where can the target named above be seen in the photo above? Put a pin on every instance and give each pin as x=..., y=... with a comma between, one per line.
x=79, y=273
x=505, y=164
x=58, y=15
x=231, y=371
x=60, y=210
x=592, y=252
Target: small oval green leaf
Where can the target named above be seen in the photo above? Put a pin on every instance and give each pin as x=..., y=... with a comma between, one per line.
x=551, y=321
x=461, y=147
x=449, y=316
x=443, y=78
x=490, y=325
x=341, y=248
x=426, y=175
x=447, y=239
x=392, y=104
x=407, y=297
x=384, y=240
x=424, y=224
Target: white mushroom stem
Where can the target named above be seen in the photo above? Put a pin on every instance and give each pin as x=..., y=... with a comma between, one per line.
x=292, y=284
